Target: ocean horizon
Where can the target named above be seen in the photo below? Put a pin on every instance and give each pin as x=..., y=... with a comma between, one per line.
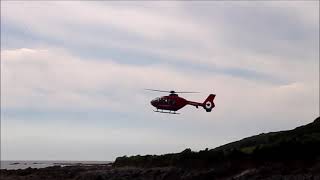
x=24, y=164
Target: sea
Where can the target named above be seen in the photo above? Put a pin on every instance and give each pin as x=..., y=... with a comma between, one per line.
x=10, y=165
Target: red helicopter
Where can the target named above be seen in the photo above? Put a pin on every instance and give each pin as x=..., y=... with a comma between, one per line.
x=173, y=102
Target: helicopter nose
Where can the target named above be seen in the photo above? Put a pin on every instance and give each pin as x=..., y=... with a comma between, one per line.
x=152, y=103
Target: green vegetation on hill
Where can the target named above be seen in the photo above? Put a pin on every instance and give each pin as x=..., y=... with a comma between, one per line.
x=299, y=144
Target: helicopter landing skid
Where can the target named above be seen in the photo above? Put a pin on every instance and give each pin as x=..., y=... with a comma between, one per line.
x=167, y=112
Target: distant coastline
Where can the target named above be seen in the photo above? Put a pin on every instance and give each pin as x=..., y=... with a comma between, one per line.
x=16, y=164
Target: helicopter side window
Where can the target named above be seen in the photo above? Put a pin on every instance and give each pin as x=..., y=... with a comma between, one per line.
x=173, y=102
x=169, y=101
x=161, y=101
x=164, y=101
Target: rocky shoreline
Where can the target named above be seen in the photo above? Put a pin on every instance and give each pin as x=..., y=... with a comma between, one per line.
x=270, y=171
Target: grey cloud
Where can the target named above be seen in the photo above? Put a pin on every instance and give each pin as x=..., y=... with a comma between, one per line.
x=51, y=75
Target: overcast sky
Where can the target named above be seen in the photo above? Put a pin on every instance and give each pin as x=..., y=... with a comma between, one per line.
x=73, y=74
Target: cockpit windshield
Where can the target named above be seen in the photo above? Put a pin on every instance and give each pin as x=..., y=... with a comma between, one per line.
x=156, y=99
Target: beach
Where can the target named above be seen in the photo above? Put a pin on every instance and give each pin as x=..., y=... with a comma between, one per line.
x=17, y=164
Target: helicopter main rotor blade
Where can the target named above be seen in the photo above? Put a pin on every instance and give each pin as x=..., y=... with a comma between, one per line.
x=157, y=90
x=186, y=92
x=171, y=91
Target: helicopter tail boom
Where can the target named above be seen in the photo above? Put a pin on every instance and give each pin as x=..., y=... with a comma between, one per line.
x=208, y=104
